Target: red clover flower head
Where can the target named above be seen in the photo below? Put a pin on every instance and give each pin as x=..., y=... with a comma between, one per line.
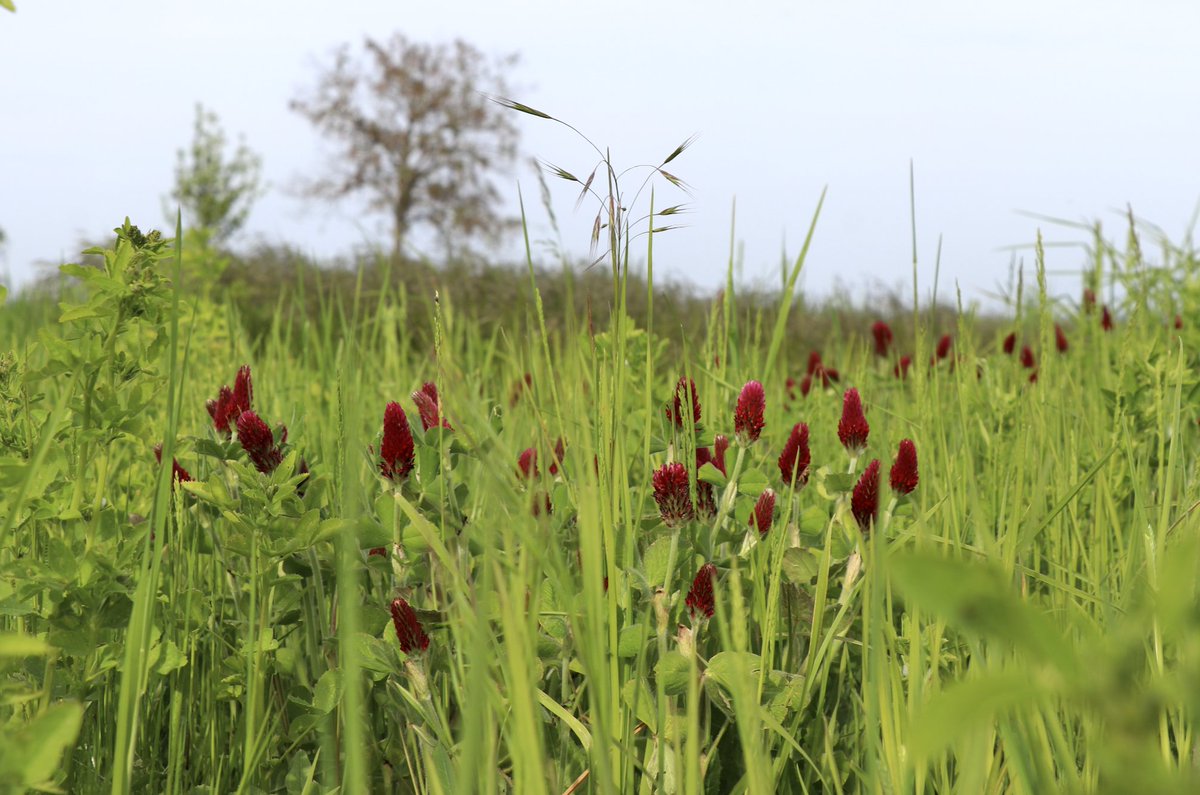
x=864, y=501
x=1060, y=339
x=764, y=512
x=1010, y=342
x=243, y=389
x=527, y=464
x=675, y=413
x=560, y=450
x=1106, y=320
x=671, y=493
x=806, y=385
x=700, y=601
x=258, y=442
x=230, y=403
x=944, y=345
x=882, y=333
x=720, y=445
x=853, y=428
x=396, y=452
x=429, y=406
x=904, y=475
x=814, y=362
x=901, y=368
x=748, y=416
x=1027, y=359
x=408, y=628
x=796, y=457
x=178, y=473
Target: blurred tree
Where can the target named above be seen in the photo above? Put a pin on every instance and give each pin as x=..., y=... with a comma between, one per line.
x=215, y=192
x=417, y=136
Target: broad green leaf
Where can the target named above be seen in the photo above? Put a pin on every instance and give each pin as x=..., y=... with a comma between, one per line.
x=673, y=671
x=656, y=560
x=710, y=474
x=37, y=750
x=727, y=667
x=631, y=640
x=327, y=692
x=800, y=565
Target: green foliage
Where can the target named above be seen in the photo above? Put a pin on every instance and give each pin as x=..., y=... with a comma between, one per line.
x=216, y=189
x=1025, y=621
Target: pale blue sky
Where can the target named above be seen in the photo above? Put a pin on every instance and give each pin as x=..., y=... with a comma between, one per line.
x=1067, y=108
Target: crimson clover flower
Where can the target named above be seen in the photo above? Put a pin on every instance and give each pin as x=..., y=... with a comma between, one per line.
x=429, y=406
x=1027, y=359
x=901, y=368
x=178, y=473
x=527, y=464
x=671, y=493
x=944, y=345
x=1060, y=339
x=1106, y=319
x=700, y=601
x=396, y=451
x=882, y=333
x=560, y=449
x=853, y=428
x=904, y=475
x=1010, y=342
x=796, y=457
x=864, y=501
x=230, y=403
x=408, y=628
x=748, y=416
x=684, y=387
x=259, y=443
x=764, y=512
x=814, y=362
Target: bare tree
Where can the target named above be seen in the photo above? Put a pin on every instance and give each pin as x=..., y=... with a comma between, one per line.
x=418, y=136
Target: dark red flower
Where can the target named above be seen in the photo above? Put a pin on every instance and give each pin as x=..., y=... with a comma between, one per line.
x=1106, y=321
x=853, y=428
x=720, y=445
x=764, y=512
x=396, y=451
x=429, y=406
x=748, y=416
x=683, y=388
x=230, y=403
x=828, y=376
x=1027, y=359
x=560, y=450
x=901, y=368
x=1060, y=339
x=700, y=601
x=243, y=389
x=408, y=628
x=864, y=501
x=1010, y=342
x=1033, y=377
x=796, y=457
x=814, y=362
x=671, y=493
x=527, y=464
x=904, y=470
x=806, y=385
x=258, y=442
x=1178, y=321
x=883, y=337
x=944, y=345
x=178, y=473
x=380, y=551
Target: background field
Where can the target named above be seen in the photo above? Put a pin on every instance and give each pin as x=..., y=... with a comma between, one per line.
x=1025, y=621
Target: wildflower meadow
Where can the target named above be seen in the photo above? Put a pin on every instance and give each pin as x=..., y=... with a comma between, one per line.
x=555, y=556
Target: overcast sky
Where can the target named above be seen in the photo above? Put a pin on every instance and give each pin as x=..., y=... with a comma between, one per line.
x=1069, y=109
